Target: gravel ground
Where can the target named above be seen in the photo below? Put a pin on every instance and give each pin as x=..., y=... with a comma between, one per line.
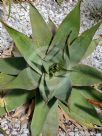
x=20, y=20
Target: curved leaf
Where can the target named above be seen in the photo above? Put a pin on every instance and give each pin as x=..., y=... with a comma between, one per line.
x=40, y=31
x=27, y=79
x=51, y=124
x=92, y=47
x=24, y=45
x=82, y=111
x=14, y=99
x=83, y=75
x=59, y=87
x=90, y=93
x=12, y=66
x=40, y=114
x=5, y=79
x=22, y=42
x=69, y=27
x=81, y=44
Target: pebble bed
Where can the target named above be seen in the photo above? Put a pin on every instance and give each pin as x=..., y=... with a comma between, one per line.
x=19, y=19
x=14, y=128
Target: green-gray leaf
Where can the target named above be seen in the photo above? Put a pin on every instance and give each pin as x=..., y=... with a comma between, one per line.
x=27, y=79
x=83, y=75
x=82, y=111
x=92, y=47
x=5, y=79
x=40, y=114
x=60, y=87
x=12, y=65
x=70, y=26
x=24, y=45
x=13, y=99
x=79, y=47
x=52, y=27
x=51, y=124
x=40, y=31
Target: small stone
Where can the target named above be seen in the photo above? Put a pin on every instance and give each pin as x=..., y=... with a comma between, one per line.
x=5, y=127
x=17, y=126
x=71, y=133
x=69, y=122
x=92, y=133
x=76, y=134
x=1, y=135
x=76, y=129
x=26, y=131
x=7, y=132
x=14, y=133
x=23, y=135
x=82, y=133
x=99, y=134
x=3, y=122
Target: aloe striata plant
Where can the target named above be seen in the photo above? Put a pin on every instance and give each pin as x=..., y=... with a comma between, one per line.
x=50, y=73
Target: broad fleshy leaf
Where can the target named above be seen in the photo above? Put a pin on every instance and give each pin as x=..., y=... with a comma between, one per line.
x=40, y=114
x=27, y=79
x=81, y=110
x=59, y=87
x=14, y=99
x=13, y=65
x=51, y=124
x=24, y=45
x=83, y=75
x=5, y=79
x=81, y=44
x=68, y=28
x=40, y=31
x=90, y=93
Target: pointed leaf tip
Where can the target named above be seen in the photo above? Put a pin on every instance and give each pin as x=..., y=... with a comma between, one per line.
x=81, y=44
x=41, y=34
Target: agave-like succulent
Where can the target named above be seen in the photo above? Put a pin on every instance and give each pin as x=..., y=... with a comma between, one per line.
x=50, y=73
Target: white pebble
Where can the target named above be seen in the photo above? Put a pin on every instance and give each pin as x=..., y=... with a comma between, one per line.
x=71, y=133
x=1, y=135
x=99, y=134
x=76, y=134
x=3, y=123
x=23, y=135
x=26, y=131
x=17, y=125
x=7, y=132
x=5, y=127
x=14, y=133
